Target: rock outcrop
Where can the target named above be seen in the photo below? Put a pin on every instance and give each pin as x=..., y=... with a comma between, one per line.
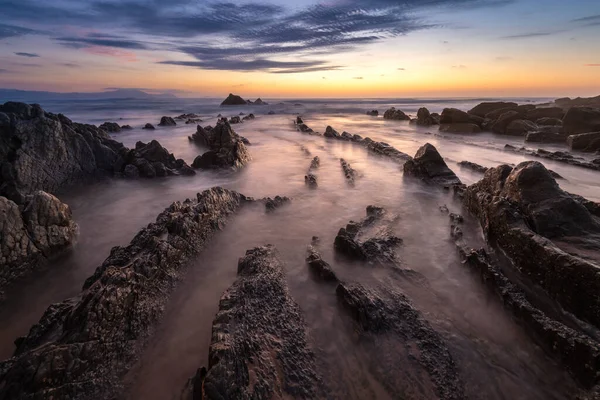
x=83, y=346
x=149, y=126
x=424, y=118
x=429, y=166
x=331, y=133
x=585, y=141
x=581, y=120
x=545, y=112
x=539, y=227
x=503, y=121
x=546, y=121
x=151, y=160
x=227, y=149
x=373, y=113
x=110, y=127
x=271, y=204
x=392, y=113
x=167, y=121
x=473, y=166
x=460, y=127
x=349, y=172
x=259, y=348
x=520, y=127
x=319, y=267
x=29, y=235
x=422, y=366
x=233, y=100
x=482, y=109
x=559, y=156
x=454, y=116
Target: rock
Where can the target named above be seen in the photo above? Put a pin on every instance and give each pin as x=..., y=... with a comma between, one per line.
x=454, y=115
x=555, y=113
x=259, y=102
x=331, y=133
x=235, y=120
x=248, y=117
x=188, y=116
x=346, y=136
x=315, y=163
x=84, y=346
x=271, y=112
x=384, y=149
x=149, y=126
x=462, y=127
x=299, y=120
x=585, y=141
x=473, y=166
x=110, y=127
x=259, y=347
x=566, y=102
x=145, y=160
x=167, y=121
x=394, y=114
x=482, y=109
x=544, y=136
x=494, y=115
x=193, y=121
x=373, y=113
x=357, y=138
x=131, y=172
x=310, y=180
x=304, y=128
x=226, y=147
x=422, y=366
x=559, y=156
x=44, y=151
x=549, y=122
x=424, y=117
x=319, y=267
x=538, y=226
x=520, y=127
x=581, y=120
x=233, y=100
x=500, y=125
x=429, y=166
x=28, y=238
x=271, y=204
x=126, y=127
x=349, y=172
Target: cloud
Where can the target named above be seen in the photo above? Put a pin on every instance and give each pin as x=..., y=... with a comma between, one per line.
x=401, y=69
x=7, y=31
x=358, y=77
x=461, y=66
x=2, y=71
x=31, y=55
x=592, y=65
x=590, y=18
x=84, y=42
x=530, y=35
x=71, y=65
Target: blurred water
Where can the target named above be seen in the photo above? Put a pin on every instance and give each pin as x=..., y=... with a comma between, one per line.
x=495, y=358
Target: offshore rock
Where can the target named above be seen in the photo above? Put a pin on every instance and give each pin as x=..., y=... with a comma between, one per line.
x=331, y=133
x=271, y=204
x=227, y=149
x=460, y=127
x=429, y=166
x=151, y=160
x=149, y=126
x=259, y=347
x=482, y=109
x=167, y=121
x=110, y=127
x=373, y=113
x=319, y=267
x=82, y=347
x=349, y=172
x=392, y=113
x=233, y=100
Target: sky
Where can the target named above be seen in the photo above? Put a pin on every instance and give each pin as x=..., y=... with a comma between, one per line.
x=304, y=48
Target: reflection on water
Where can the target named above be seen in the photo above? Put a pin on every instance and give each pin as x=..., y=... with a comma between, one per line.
x=496, y=359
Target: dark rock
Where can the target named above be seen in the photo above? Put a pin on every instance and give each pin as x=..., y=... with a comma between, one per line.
x=422, y=366
x=539, y=226
x=504, y=120
x=84, y=346
x=454, y=116
x=248, y=117
x=473, y=166
x=585, y=141
x=126, y=127
x=193, y=121
x=259, y=102
x=349, y=172
x=271, y=112
x=233, y=100
x=189, y=116
x=346, y=136
x=429, y=165
x=310, y=180
x=149, y=126
x=581, y=120
x=520, y=127
x=424, y=117
x=545, y=136
x=331, y=133
x=110, y=127
x=549, y=122
x=461, y=127
x=167, y=121
x=131, y=172
x=226, y=147
x=559, y=156
x=357, y=138
x=315, y=163
x=320, y=267
x=271, y=204
x=304, y=128
x=494, y=115
x=545, y=112
x=394, y=114
x=482, y=109
x=299, y=120
x=43, y=229
x=235, y=120
x=373, y=113
x=259, y=348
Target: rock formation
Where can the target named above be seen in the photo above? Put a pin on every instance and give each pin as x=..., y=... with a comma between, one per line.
x=319, y=267
x=349, y=172
x=110, y=127
x=520, y=127
x=271, y=204
x=392, y=113
x=259, y=347
x=151, y=160
x=83, y=346
x=149, y=126
x=373, y=113
x=226, y=147
x=482, y=109
x=424, y=118
x=460, y=127
x=585, y=141
x=581, y=120
x=473, y=166
x=331, y=133
x=167, y=121
x=429, y=166
x=233, y=100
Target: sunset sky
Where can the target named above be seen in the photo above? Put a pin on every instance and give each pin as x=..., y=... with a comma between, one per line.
x=304, y=48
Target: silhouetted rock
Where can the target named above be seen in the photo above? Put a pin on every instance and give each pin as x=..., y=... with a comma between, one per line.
x=473, y=166
x=545, y=136
x=110, y=127
x=310, y=180
x=259, y=347
x=392, y=113
x=482, y=109
x=84, y=346
x=126, y=127
x=424, y=117
x=581, y=120
x=315, y=163
x=149, y=126
x=248, y=117
x=546, y=121
x=271, y=112
x=349, y=172
x=233, y=100
x=188, y=116
x=585, y=141
x=539, y=226
x=42, y=228
x=422, y=367
x=235, y=120
x=271, y=204
x=545, y=112
x=461, y=127
x=151, y=160
x=226, y=147
x=500, y=125
x=373, y=113
x=331, y=133
x=429, y=166
x=566, y=102
x=320, y=267
x=454, y=115
x=520, y=127
x=167, y=121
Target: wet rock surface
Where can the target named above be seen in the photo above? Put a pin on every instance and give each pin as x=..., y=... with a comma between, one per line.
x=82, y=347
x=473, y=166
x=349, y=173
x=585, y=141
x=227, y=149
x=460, y=127
x=29, y=235
x=167, y=121
x=559, y=156
x=151, y=160
x=581, y=120
x=259, y=348
x=319, y=267
x=271, y=204
x=482, y=109
x=409, y=357
x=429, y=166
x=395, y=114
x=540, y=228
x=424, y=118
x=149, y=126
